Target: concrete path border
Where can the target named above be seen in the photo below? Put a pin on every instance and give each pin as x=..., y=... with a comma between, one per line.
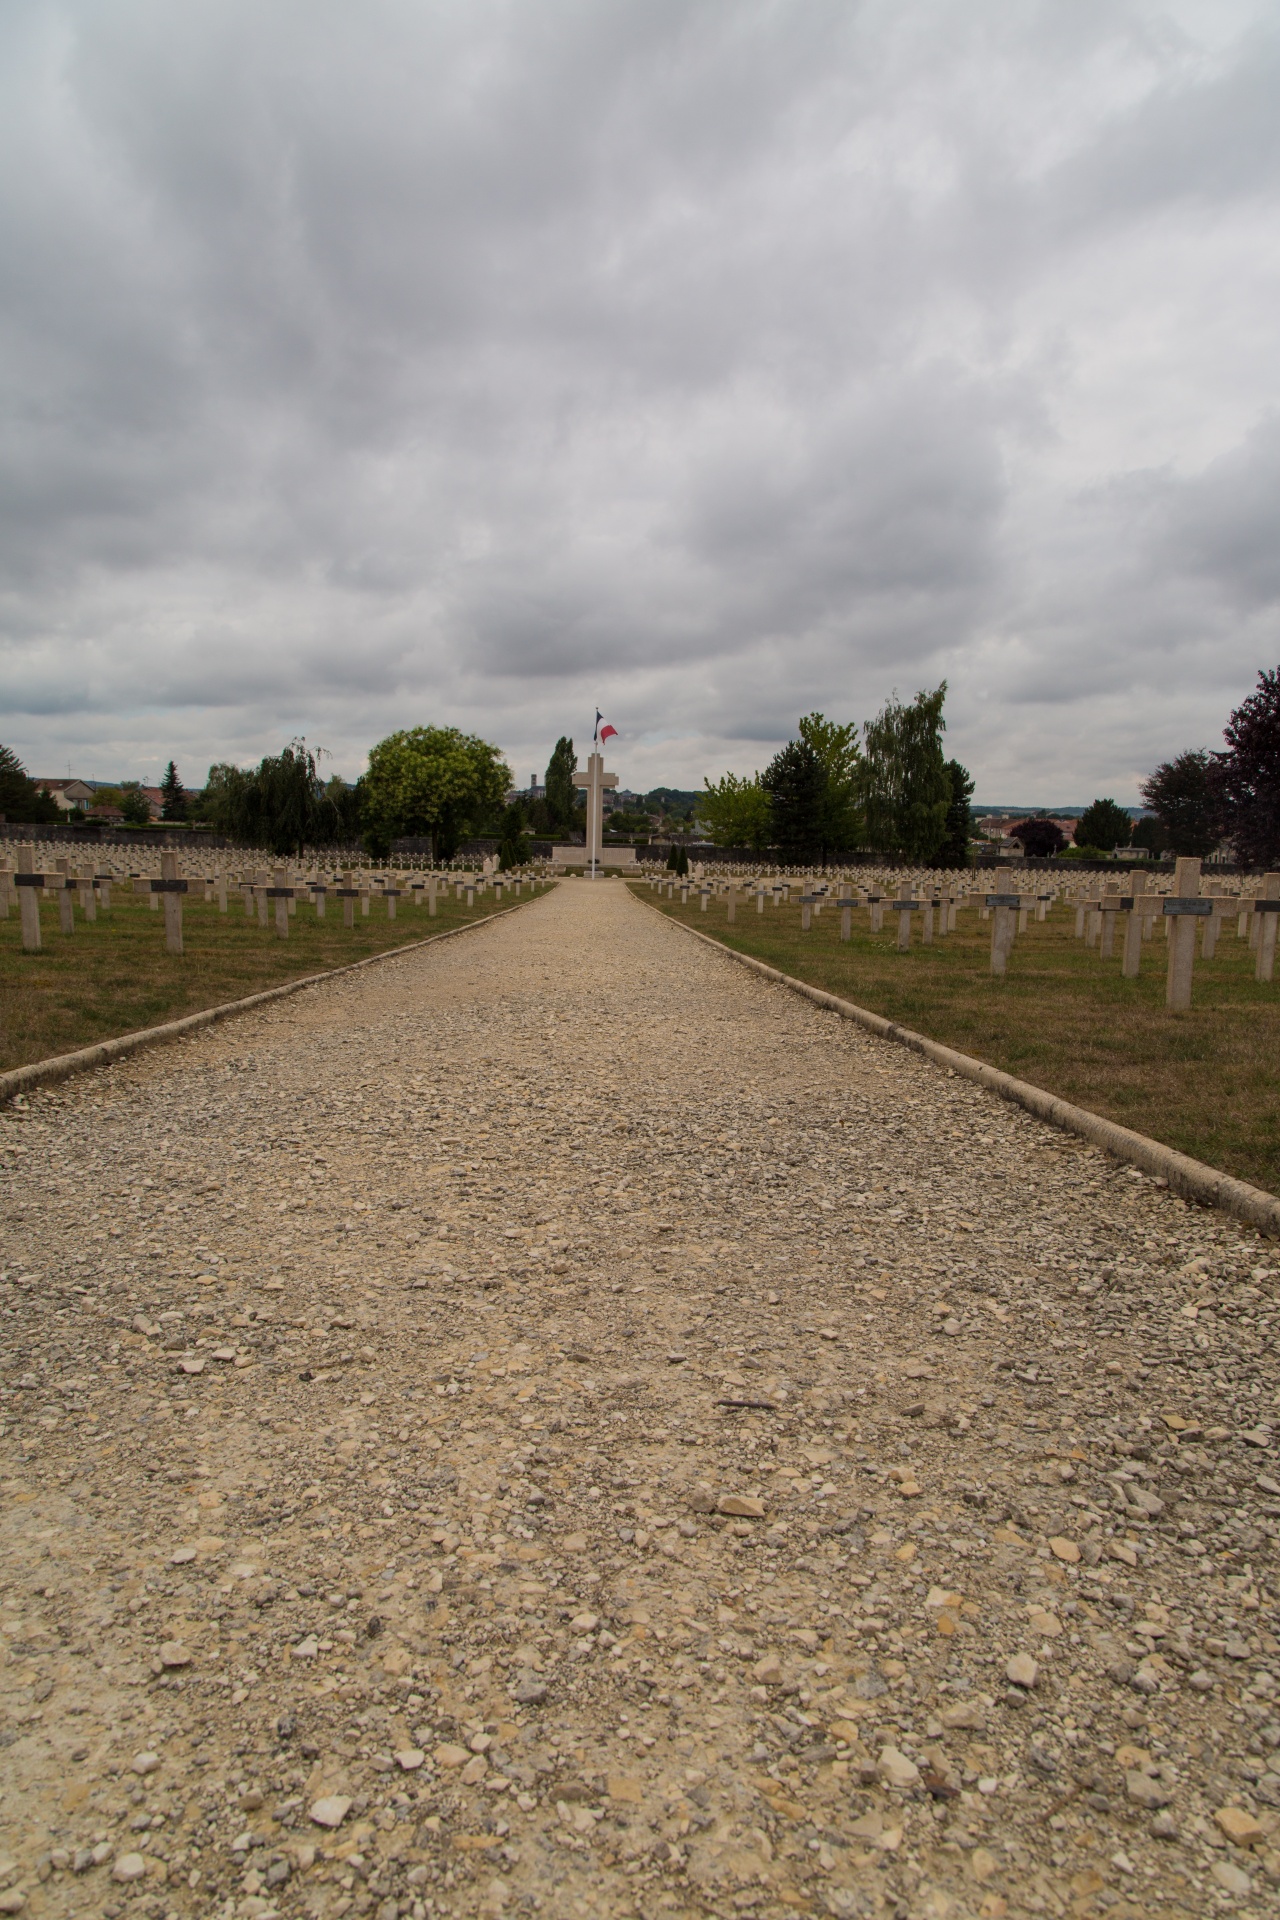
x=63, y=1066
x=1190, y=1178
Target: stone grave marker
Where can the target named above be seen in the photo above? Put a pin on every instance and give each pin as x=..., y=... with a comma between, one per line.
x=1004, y=925
x=1266, y=908
x=1182, y=908
x=171, y=887
x=29, y=883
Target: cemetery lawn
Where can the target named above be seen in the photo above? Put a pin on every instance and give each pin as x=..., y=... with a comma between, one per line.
x=114, y=975
x=1206, y=1082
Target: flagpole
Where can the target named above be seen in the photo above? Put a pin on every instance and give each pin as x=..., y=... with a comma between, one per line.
x=597, y=781
x=594, y=797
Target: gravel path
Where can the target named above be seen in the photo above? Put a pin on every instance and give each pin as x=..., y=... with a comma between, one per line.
x=557, y=1424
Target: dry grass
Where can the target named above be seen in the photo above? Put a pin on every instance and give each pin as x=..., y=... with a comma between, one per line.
x=114, y=975
x=1206, y=1082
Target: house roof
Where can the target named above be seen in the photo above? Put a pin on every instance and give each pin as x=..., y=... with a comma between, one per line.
x=73, y=788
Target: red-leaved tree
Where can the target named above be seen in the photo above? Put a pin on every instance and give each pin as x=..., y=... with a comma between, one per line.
x=1246, y=778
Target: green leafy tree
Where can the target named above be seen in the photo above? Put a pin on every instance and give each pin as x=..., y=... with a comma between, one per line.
x=814, y=787
x=1104, y=825
x=908, y=789
x=736, y=811
x=1181, y=795
x=433, y=781
x=562, y=794
x=678, y=861
x=954, y=851
x=173, y=804
x=134, y=804
x=21, y=800
x=795, y=781
x=841, y=822
x=224, y=802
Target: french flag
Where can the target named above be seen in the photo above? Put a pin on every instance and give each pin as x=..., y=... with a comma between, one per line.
x=603, y=730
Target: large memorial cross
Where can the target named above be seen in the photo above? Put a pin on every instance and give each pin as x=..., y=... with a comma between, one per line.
x=595, y=780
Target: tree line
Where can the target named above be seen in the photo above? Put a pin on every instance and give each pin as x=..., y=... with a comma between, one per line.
x=886, y=788
x=432, y=783
x=1198, y=800
x=838, y=789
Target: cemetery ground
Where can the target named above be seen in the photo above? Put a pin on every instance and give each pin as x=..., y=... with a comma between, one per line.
x=114, y=975
x=553, y=1424
x=1206, y=1082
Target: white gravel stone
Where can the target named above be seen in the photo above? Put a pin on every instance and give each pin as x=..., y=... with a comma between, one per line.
x=330, y=1810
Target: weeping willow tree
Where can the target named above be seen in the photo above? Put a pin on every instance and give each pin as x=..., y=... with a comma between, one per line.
x=906, y=786
x=281, y=804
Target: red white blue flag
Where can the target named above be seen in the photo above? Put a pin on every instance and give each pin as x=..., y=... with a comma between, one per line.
x=603, y=730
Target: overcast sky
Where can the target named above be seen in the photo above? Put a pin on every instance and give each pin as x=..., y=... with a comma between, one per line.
x=474, y=363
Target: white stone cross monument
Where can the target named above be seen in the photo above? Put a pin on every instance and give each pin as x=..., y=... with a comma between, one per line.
x=595, y=780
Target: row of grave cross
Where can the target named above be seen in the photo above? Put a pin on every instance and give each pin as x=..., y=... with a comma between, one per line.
x=1098, y=914
x=937, y=907
x=262, y=892
x=1182, y=910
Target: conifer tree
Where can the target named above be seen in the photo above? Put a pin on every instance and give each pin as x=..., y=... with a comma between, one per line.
x=173, y=796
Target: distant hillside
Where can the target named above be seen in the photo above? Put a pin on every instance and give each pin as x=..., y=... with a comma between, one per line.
x=670, y=800
x=1025, y=813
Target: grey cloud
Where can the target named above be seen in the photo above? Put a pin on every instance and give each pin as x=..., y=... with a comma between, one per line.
x=361, y=366
x=1224, y=522
x=1209, y=138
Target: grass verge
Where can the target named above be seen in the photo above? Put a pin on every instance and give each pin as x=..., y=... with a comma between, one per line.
x=114, y=975
x=1206, y=1082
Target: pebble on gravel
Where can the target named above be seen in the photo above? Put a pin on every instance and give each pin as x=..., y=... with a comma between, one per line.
x=1145, y=1790
x=1243, y=1829
x=330, y=1810
x=896, y=1770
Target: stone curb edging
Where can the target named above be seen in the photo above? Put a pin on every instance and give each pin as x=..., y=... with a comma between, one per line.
x=63, y=1066
x=1191, y=1178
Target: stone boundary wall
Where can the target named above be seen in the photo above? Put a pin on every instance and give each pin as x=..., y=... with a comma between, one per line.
x=95, y=835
